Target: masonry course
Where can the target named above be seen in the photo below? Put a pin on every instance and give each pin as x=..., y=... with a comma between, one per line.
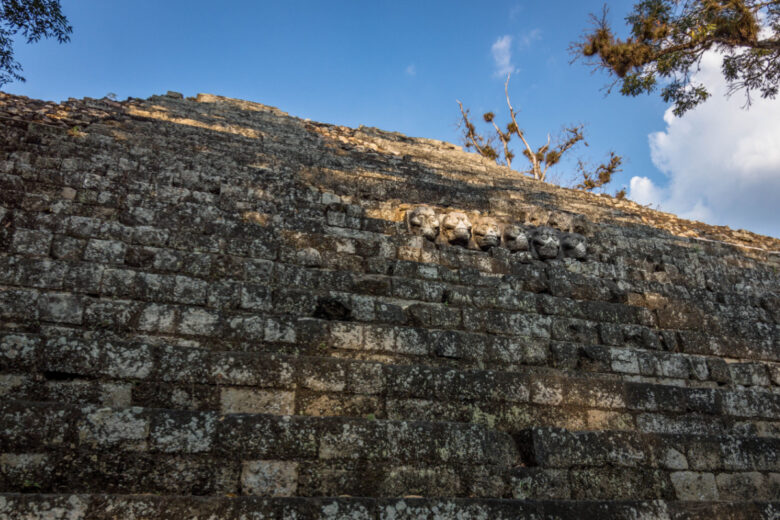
x=209, y=307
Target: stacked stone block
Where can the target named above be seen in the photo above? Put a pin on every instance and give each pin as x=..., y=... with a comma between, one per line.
x=241, y=312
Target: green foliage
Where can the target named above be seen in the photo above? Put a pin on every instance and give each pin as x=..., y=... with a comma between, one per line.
x=601, y=175
x=35, y=19
x=669, y=37
x=75, y=131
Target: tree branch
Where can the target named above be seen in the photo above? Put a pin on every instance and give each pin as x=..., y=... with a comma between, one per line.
x=534, y=162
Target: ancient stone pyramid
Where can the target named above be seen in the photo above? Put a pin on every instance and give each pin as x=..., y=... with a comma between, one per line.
x=210, y=309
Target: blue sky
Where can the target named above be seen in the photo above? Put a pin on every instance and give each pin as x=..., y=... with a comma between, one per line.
x=397, y=65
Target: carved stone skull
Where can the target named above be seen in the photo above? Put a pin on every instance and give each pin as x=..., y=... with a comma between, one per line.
x=486, y=233
x=546, y=243
x=574, y=246
x=515, y=238
x=423, y=221
x=455, y=229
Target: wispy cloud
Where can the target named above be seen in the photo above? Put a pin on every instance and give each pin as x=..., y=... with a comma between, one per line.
x=529, y=37
x=410, y=70
x=502, y=55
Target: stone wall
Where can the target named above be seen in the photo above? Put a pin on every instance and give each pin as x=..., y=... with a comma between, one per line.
x=207, y=298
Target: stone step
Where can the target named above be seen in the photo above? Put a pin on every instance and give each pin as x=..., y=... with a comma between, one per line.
x=138, y=450
x=510, y=308
x=15, y=506
x=169, y=376
x=620, y=465
x=422, y=344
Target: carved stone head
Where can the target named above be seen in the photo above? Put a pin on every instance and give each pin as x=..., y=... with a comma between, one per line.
x=546, y=243
x=515, y=238
x=486, y=233
x=560, y=221
x=574, y=246
x=455, y=228
x=423, y=221
x=537, y=216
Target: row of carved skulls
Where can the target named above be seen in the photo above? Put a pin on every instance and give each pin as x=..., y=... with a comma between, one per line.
x=455, y=228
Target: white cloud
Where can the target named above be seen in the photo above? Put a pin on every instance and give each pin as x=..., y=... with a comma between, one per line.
x=410, y=70
x=531, y=36
x=502, y=55
x=722, y=162
x=645, y=192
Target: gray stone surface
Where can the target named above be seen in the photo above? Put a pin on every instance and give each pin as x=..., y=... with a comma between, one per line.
x=202, y=298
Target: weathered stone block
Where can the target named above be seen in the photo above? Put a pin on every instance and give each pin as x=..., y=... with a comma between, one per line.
x=61, y=308
x=269, y=478
x=689, y=485
x=199, y=322
x=182, y=432
x=87, y=278
x=250, y=400
x=540, y=484
x=18, y=351
x=255, y=297
x=105, y=251
x=366, y=378
x=742, y=486
x=127, y=361
x=126, y=429
x=111, y=314
x=31, y=242
x=158, y=318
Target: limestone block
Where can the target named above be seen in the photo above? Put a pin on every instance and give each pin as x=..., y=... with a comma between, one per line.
x=743, y=486
x=189, y=290
x=619, y=484
x=197, y=321
x=84, y=278
x=31, y=242
x=256, y=297
x=183, y=432
x=269, y=478
x=67, y=248
x=690, y=485
x=673, y=459
x=323, y=377
x=158, y=318
x=546, y=392
x=309, y=257
x=30, y=469
x=252, y=400
x=105, y=251
x=366, y=378
x=111, y=314
x=422, y=481
x=279, y=330
x=540, y=484
x=19, y=350
x=127, y=362
x=126, y=429
x=61, y=308
x=367, y=440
